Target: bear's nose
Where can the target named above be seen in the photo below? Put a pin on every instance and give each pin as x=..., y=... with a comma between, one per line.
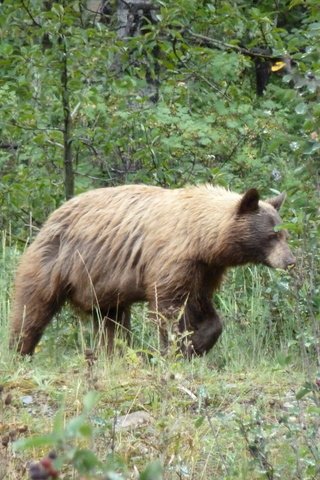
x=291, y=262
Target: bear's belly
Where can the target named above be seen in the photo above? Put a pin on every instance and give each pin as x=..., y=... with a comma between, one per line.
x=107, y=293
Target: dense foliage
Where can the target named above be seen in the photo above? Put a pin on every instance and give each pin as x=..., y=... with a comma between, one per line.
x=76, y=102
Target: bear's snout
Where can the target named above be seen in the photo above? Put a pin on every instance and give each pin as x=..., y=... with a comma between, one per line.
x=281, y=257
x=290, y=261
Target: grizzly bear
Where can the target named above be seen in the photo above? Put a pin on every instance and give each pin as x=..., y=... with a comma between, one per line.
x=111, y=247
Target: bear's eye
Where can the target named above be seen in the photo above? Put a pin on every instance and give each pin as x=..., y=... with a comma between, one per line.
x=274, y=235
x=277, y=232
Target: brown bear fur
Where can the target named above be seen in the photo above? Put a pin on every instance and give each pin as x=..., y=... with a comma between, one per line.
x=108, y=248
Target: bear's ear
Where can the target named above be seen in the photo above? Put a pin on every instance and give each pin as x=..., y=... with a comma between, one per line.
x=249, y=202
x=277, y=201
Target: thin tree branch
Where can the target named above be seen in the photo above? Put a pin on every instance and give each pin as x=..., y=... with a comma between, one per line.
x=9, y=146
x=195, y=72
x=34, y=21
x=39, y=129
x=227, y=46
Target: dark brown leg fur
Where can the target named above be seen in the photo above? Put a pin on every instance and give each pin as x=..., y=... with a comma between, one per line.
x=205, y=336
x=205, y=325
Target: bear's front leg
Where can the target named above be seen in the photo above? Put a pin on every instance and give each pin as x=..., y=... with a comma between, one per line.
x=205, y=327
x=111, y=321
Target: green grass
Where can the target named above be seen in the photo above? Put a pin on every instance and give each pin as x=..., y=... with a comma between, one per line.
x=238, y=413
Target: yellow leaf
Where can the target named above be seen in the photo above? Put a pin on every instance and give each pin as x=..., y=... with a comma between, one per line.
x=278, y=66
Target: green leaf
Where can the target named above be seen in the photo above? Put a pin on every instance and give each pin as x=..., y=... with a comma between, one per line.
x=199, y=421
x=312, y=148
x=86, y=430
x=34, y=442
x=153, y=472
x=301, y=109
x=314, y=26
x=114, y=476
x=58, y=422
x=85, y=461
x=90, y=401
x=305, y=390
x=290, y=226
x=73, y=428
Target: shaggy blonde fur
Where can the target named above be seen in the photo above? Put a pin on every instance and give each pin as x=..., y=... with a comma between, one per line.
x=111, y=247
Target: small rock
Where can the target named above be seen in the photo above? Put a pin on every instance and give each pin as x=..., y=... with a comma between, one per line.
x=27, y=400
x=133, y=420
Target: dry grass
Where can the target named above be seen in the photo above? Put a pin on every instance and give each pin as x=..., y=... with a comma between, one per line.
x=201, y=419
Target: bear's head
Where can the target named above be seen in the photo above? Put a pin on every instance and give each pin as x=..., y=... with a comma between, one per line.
x=261, y=239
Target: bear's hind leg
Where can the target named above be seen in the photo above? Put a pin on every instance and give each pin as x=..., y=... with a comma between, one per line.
x=39, y=292
x=38, y=295
x=28, y=322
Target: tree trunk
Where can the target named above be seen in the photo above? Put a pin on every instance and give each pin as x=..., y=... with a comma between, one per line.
x=131, y=17
x=67, y=127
